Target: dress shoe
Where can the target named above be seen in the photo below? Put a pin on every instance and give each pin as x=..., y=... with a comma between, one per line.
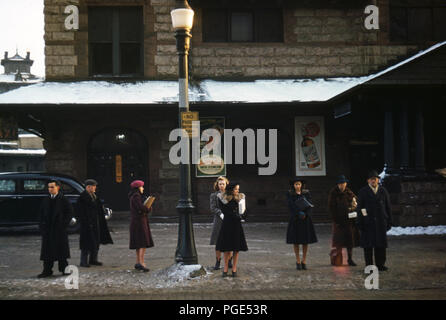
x=351, y=263
x=45, y=274
x=383, y=268
x=225, y=274
x=138, y=266
x=95, y=263
x=85, y=265
x=304, y=266
x=298, y=266
x=234, y=274
x=217, y=264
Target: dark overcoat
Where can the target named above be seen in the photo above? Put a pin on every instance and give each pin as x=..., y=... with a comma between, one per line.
x=140, y=235
x=299, y=231
x=231, y=236
x=345, y=231
x=216, y=211
x=93, y=226
x=55, y=216
x=378, y=221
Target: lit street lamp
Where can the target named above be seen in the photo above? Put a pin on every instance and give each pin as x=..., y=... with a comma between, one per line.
x=182, y=20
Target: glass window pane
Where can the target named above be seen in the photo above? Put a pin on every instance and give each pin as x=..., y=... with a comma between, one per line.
x=130, y=23
x=35, y=185
x=215, y=25
x=7, y=186
x=130, y=58
x=100, y=24
x=101, y=58
x=269, y=25
x=67, y=189
x=242, y=26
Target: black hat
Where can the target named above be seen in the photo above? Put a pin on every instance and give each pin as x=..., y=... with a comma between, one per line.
x=373, y=174
x=341, y=179
x=91, y=182
x=294, y=180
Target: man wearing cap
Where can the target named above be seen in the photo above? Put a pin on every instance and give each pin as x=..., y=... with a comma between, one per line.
x=93, y=226
x=374, y=220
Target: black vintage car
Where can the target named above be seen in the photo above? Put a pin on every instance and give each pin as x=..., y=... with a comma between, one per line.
x=21, y=194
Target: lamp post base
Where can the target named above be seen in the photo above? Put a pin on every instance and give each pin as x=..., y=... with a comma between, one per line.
x=186, y=252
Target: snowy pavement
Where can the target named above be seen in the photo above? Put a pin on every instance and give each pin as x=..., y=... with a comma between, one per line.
x=266, y=271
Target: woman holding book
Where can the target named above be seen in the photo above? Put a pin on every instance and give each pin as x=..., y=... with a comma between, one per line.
x=140, y=235
x=300, y=227
x=231, y=237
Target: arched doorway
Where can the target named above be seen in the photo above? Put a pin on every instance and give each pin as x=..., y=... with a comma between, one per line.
x=116, y=157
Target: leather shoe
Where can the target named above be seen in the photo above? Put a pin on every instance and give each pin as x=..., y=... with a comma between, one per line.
x=83, y=265
x=225, y=274
x=45, y=274
x=95, y=263
x=304, y=266
x=383, y=268
x=234, y=274
x=298, y=266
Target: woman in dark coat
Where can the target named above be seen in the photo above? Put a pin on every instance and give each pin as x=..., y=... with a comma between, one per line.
x=219, y=186
x=300, y=227
x=93, y=226
x=342, y=201
x=140, y=235
x=231, y=237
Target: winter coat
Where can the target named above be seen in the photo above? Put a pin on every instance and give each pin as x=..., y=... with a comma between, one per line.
x=140, y=235
x=299, y=231
x=378, y=221
x=345, y=232
x=55, y=216
x=93, y=226
x=216, y=211
x=231, y=236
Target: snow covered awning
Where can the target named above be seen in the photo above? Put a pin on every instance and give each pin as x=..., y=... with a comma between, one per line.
x=22, y=152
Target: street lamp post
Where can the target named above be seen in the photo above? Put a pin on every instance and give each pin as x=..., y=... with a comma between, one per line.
x=182, y=19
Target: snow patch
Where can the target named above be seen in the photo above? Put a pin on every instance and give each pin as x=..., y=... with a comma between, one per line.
x=430, y=230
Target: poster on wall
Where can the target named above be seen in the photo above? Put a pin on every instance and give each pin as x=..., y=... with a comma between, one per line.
x=310, y=146
x=211, y=165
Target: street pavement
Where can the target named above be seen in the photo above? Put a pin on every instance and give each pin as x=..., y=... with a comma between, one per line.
x=417, y=269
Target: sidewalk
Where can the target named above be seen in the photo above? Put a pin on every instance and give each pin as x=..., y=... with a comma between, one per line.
x=266, y=271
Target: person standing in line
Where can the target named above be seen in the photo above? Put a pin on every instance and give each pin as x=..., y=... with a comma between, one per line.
x=219, y=187
x=231, y=237
x=300, y=226
x=341, y=202
x=56, y=213
x=93, y=226
x=140, y=235
x=374, y=220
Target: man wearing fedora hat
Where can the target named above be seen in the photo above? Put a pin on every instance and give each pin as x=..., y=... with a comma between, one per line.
x=374, y=220
x=93, y=226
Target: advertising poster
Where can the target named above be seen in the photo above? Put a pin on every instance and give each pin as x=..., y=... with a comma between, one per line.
x=211, y=165
x=310, y=146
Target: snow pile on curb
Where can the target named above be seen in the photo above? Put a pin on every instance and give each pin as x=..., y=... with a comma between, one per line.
x=431, y=230
x=178, y=273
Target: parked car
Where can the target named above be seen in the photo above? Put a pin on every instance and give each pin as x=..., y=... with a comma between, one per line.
x=21, y=194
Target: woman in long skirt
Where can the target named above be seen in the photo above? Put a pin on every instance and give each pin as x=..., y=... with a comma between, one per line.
x=140, y=235
x=300, y=227
x=231, y=237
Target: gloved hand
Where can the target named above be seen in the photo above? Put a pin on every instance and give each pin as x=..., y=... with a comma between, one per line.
x=222, y=216
x=301, y=215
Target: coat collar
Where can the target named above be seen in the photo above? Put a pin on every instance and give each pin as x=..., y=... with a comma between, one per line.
x=224, y=199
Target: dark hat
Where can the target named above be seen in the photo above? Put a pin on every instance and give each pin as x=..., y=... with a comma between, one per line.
x=232, y=185
x=373, y=174
x=137, y=184
x=294, y=180
x=91, y=182
x=341, y=179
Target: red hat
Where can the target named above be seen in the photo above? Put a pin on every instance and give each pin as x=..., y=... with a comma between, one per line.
x=137, y=184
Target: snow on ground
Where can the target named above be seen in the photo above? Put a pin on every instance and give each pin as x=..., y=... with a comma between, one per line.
x=430, y=230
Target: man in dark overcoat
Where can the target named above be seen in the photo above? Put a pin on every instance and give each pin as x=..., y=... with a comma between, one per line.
x=93, y=226
x=56, y=213
x=374, y=220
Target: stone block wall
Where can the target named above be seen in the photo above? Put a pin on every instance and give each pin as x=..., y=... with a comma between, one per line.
x=317, y=43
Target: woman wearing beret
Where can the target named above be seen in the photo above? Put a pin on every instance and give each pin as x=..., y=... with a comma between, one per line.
x=219, y=188
x=342, y=201
x=300, y=227
x=231, y=237
x=140, y=235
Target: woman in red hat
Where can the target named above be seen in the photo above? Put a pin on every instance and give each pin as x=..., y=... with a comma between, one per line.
x=140, y=235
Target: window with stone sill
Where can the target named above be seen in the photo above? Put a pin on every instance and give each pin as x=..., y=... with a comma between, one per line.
x=115, y=38
x=242, y=25
x=417, y=24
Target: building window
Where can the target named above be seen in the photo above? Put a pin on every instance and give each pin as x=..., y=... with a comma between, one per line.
x=417, y=24
x=240, y=25
x=115, y=36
